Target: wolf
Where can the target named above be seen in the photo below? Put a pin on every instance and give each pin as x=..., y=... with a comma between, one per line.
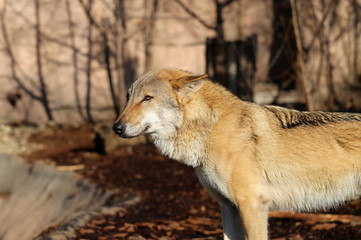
x=251, y=158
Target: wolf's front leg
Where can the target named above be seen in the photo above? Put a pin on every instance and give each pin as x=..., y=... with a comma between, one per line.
x=254, y=214
x=232, y=224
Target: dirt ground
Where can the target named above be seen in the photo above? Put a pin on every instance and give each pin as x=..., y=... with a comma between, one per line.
x=174, y=205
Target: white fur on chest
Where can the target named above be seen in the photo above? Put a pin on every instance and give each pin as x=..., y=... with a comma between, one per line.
x=212, y=180
x=190, y=152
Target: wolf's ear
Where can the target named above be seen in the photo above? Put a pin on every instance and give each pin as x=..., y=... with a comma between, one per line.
x=188, y=84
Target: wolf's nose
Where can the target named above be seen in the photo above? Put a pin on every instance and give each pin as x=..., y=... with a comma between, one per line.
x=119, y=128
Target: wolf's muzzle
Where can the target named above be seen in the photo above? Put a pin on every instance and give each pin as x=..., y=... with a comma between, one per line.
x=119, y=128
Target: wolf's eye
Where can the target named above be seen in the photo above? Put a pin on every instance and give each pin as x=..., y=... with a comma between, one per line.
x=147, y=98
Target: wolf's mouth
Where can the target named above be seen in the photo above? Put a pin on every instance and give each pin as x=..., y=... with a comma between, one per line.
x=124, y=135
x=145, y=129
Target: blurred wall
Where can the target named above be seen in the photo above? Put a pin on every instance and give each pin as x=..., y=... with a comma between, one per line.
x=177, y=40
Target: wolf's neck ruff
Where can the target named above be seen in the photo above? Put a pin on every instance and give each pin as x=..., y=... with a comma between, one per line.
x=187, y=142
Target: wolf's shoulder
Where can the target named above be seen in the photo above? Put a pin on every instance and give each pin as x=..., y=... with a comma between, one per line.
x=290, y=118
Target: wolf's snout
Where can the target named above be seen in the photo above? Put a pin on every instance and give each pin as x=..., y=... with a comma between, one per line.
x=119, y=128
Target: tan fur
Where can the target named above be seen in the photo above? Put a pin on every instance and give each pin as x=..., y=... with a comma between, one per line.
x=252, y=158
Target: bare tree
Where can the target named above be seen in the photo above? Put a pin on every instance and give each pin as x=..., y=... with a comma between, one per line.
x=120, y=28
x=149, y=30
x=74, y=59
x=327, y=27
x=106, y=49
x=219, y=22
x=217, y=57
x=43, y=88
x=89, y=62
x=324, y=41
x=357, y=19
x=42, y=97
x=305, y=81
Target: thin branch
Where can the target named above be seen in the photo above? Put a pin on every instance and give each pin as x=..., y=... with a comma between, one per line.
x=47, y=37
x=176, y=44
x=325, y=49
x=194, y=15
x=225, y=3
x=90, y=17
x=320, y=24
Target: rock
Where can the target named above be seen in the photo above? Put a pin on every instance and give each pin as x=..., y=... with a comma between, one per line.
x=14, y=140
x=265, y=93
x=35, y=196
x=291, y=97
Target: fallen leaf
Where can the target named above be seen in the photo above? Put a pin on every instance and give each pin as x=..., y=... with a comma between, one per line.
x=130, y=227
x=162, y=227
x=201, y=221
x=213, y=232
x=148, y=225
x=109, y=228
x=136, y=237
x=324, y=226
x=296, y=237
x=154, y=236
x=100, y=221
x=90, y=225
x=119, y=235
x=138, y=176
x=84, y=231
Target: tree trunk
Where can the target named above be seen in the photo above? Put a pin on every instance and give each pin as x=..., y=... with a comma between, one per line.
x=43, y=88
x=74, y=59
x=120, y=29
x=149, y=31
x=88, y=67
x=109, y=72
x=306, y=85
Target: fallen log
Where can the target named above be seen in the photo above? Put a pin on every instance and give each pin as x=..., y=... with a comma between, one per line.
x=312, y=218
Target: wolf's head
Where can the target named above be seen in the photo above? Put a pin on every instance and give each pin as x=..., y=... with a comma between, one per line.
x=155, y=102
